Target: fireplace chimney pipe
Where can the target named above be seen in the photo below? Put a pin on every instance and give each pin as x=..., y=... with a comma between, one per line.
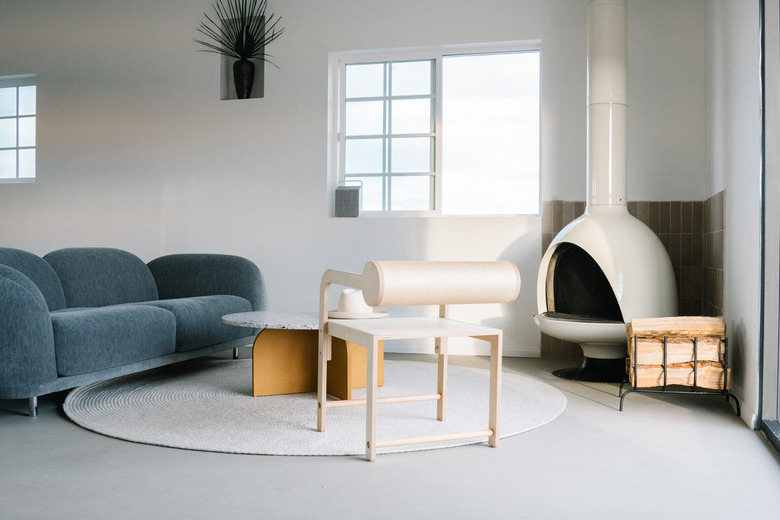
x=607, y=102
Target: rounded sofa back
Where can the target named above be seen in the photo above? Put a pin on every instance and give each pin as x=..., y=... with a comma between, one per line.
x=99, y=276
x=39, y=272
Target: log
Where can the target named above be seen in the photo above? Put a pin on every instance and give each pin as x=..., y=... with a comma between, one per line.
x=709, y=375
x=650, y=351
x=680, y=326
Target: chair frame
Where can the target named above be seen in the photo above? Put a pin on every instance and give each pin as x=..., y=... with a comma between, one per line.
x=370, y=333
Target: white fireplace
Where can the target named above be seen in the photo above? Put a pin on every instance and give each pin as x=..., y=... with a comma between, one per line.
x=606, y=267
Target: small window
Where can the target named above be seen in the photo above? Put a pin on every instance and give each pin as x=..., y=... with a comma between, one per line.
x=444, y=131
x=17, y=128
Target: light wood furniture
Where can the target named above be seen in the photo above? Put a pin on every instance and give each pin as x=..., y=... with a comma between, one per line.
x=284, y=356
x=415, y=283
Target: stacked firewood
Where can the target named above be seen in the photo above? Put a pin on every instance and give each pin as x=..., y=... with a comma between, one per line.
x=681, y=333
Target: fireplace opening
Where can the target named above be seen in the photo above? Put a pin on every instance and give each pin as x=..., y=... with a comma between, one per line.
x=580, y=290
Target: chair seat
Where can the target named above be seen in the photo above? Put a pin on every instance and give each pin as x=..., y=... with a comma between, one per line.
x=364, y=332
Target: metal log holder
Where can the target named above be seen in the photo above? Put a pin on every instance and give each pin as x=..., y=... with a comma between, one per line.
x=695, y=390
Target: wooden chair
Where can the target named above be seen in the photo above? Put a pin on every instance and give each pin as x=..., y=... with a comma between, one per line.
x=416, y=283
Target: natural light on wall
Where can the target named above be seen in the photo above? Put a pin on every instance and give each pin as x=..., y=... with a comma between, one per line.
x=491, y=124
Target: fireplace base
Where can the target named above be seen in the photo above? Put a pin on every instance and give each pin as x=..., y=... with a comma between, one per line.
x=595, y=370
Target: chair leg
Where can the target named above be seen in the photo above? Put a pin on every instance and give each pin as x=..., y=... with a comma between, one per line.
x=495, y=389
x=372, y=368
x=441, y=405
x=32, y=407
x=322, y=379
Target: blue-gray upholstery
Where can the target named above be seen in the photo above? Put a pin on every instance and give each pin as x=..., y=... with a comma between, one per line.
x=39, y=272
x=198, y=319
x=80, y=315
x=90, y=339
x=26, y=340
x=94, y=277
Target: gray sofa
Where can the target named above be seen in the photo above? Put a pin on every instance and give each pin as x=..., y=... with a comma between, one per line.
x=81, y=315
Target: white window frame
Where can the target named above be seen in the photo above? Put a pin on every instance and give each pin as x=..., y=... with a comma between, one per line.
x=24, y=80
x=337, y=106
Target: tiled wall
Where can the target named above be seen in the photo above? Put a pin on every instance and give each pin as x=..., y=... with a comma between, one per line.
x=691, y=231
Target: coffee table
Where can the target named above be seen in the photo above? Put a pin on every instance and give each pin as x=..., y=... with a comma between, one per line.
x=284, y=355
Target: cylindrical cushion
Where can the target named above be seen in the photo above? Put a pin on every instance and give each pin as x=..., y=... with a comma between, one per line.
x=439, y=283
x=97, y=276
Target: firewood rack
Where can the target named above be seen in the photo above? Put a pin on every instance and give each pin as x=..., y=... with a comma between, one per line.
x=694, y=389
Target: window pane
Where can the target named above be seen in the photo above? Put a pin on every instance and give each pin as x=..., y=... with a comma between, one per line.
x=26, y=163
x=491, y=115
x=26, y=131
x=7, y=133
x=27, y=100
x=365, y=80
x=411, y=155
x=7, y=164
x=411, y=116
x=364, y=156
x=365, y=118
x=410, y=193
x=373, y=192
x=7, y=101
x=412, y=78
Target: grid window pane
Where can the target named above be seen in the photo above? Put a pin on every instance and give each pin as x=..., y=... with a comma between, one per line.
x=410, y=155
x=365, y=80
x=412, y=78
x=7, y=102
x=364, y=156
x=8, y=133
x=26, y=131
x=365, y=118
x=411, y=193
x=27, y=100
x=373, y=192
x=7, y=164
x=26, y=164
x=411, y=116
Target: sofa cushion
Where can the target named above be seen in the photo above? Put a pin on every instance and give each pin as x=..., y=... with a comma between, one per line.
x=96, y=276
x=39, y=271
x=199, y=319
x=90, y=339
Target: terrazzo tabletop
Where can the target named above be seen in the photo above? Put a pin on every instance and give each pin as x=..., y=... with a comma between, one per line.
x=292, y=320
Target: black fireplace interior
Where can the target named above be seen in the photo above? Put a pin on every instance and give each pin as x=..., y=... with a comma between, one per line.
x=580, y=288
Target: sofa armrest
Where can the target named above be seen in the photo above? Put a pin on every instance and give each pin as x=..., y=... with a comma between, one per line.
x=26, y=337
x=188, y=275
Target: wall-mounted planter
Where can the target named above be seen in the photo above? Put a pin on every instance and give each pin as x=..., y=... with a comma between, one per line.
x=227, y=88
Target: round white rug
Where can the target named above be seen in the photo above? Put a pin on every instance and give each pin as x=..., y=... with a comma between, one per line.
x=208, y=405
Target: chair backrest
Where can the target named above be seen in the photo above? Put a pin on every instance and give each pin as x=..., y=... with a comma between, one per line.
x=427, y=283
x=439, y=283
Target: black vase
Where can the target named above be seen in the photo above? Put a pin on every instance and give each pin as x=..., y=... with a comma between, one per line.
x=243, y=77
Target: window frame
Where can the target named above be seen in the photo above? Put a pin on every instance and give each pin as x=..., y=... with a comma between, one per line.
x=23, y=80
x=337, y=107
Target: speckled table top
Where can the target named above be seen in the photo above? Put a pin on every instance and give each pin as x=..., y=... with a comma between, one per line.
x=274, y=320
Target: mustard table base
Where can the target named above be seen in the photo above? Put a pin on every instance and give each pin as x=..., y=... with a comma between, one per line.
x=284, y=361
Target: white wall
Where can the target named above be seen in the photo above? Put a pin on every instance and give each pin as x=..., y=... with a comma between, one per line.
x=735, y=163
x=135, y=149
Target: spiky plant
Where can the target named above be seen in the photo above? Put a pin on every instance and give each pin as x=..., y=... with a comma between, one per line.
x=240, y=30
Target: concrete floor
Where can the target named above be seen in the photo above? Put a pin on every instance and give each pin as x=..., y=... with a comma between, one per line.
x=662, y=457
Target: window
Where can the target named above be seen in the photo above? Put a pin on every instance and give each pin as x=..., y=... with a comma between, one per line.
x=17, y=128
x=446, y=130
